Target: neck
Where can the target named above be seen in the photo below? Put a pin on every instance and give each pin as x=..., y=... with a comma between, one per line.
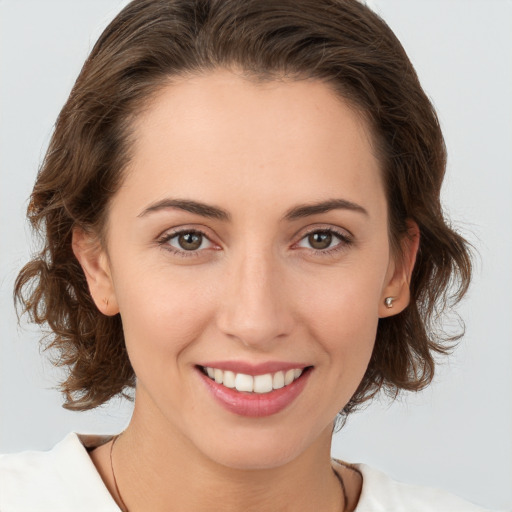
x=155, y=468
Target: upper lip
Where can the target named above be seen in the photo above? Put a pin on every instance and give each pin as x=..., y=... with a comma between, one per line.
x=253, y=368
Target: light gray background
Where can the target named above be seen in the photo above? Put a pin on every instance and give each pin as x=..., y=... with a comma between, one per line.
x=456, y=434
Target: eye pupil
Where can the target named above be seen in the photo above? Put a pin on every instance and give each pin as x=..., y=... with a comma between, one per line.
x=320, y=240
x=190, y=241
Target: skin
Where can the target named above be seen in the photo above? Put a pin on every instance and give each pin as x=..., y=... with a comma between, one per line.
x=256, y=290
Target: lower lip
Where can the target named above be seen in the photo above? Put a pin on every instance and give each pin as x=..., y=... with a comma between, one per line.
x=255, y=404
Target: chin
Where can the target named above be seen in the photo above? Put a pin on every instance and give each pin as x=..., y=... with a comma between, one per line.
x=263, y=448
x=247, y=459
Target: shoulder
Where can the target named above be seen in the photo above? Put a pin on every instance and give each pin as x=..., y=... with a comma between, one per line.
x=57, y=480
x=380, y=493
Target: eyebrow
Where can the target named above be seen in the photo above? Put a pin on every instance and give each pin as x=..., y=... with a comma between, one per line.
x=214, y=212
x=205, y=210
x=299, y=212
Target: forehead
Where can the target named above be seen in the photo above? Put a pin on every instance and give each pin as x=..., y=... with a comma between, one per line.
x=219, y=133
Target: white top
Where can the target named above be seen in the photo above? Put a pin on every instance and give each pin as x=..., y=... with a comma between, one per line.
x=64, y=479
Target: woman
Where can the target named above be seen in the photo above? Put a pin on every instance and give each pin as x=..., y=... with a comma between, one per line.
x=242, y=219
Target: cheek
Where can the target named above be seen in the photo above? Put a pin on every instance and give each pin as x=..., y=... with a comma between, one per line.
x=345, y=329
x=162, y=311
x=342, y=314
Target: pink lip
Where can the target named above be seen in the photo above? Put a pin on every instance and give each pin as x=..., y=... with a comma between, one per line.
x=255, y=404
x=253, y=369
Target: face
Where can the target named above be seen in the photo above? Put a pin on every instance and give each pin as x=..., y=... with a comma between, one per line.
x=249, y=241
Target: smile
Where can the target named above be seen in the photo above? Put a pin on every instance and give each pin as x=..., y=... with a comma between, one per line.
x=253, y=384
x=250, y=391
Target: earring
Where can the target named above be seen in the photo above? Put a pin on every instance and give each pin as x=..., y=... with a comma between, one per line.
x=105, y=301
x=389, y=302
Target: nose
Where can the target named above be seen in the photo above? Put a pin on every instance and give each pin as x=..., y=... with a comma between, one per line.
x=255, y=309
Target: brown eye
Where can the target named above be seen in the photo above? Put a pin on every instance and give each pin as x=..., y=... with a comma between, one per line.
x=190, y=241
x=320, y=240
x=186, y=242
x=325, y=241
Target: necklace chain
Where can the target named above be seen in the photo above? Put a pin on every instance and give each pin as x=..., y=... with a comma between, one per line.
x=343, y=490
x=125, y=508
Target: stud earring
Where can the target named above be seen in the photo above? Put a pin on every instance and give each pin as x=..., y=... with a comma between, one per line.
x=105, y=301
x=389, y=302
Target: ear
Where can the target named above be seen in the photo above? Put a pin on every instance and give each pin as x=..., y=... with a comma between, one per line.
x=95, y=264
x=396, y=294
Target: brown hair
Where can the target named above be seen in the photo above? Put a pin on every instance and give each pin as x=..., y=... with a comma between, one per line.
x=341, y=42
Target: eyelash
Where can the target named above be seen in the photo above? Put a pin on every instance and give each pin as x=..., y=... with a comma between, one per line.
x=345, y=241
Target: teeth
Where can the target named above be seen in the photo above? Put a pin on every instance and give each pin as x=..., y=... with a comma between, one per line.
x=278, y=381
x=288, y=377
x=218, y=375
x=257, y=384
x=263, y=383
x=244, y=382
x=229, y=379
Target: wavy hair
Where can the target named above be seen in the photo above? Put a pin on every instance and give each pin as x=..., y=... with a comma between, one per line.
x=341, y=42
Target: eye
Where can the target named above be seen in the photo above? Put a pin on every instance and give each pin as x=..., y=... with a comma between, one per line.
x=186, y=241
x=325, y=240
